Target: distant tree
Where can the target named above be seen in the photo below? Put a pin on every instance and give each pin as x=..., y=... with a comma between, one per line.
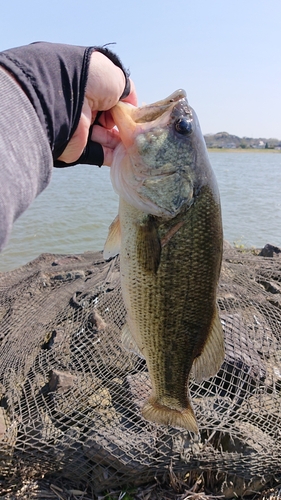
x=266, y=145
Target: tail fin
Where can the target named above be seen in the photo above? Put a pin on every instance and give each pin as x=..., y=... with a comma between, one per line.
x=161, y=414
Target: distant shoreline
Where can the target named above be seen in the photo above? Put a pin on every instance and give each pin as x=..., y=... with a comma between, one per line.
x=243, y=150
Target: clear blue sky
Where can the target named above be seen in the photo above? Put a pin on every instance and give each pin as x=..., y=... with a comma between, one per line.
x=224, y=53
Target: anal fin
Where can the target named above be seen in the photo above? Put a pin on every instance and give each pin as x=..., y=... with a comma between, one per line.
x=129, y=342
x=212, y=356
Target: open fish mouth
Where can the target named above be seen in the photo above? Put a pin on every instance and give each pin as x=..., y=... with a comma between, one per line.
x=153, y=111
x=131, y=121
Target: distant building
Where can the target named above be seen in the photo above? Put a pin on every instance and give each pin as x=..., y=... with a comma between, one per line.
x=223, y=140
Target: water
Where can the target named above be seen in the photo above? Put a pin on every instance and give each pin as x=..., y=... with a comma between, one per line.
x=250, y=184
x=73, y=214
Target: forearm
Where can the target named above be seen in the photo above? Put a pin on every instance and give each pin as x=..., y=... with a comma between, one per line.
x=25, y=155
x=55, y=101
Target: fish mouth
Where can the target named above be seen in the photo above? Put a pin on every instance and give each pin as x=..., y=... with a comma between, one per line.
x=149, y=113
x=131, y=120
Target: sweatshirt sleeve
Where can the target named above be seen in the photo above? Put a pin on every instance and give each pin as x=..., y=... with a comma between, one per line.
x=25, y=156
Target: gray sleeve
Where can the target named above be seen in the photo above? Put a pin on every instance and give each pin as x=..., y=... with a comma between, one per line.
x=25, y=156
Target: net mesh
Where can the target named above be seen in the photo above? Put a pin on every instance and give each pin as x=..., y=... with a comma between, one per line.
x=71, y=395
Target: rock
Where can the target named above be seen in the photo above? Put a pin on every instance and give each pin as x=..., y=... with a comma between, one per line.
x=243, y=368
x=240, y=353
x=140, y=387
x=43, y=431
x=269, y=286
x=3, y=423
x=254, y=439
x=270, y=251
x=100, y=398
x=60, y=344
x=69, y=275
x=123, y=449
x=66, y=259
x=8, y=437
x=96, y=321
x=237, y=487
x=227, y=245
x=61, y=381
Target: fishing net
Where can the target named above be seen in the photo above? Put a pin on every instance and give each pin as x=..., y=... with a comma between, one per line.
x=71, y=395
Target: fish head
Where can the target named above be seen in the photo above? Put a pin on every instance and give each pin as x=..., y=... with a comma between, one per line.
x=160, y=164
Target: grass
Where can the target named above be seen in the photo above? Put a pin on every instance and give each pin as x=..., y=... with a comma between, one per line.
x=192, y=485
x=189, y=486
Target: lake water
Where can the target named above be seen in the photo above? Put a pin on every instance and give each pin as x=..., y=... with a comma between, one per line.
x=73, y=214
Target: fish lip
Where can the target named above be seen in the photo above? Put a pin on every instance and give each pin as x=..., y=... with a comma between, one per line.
x=151, y=112
x=172, y=98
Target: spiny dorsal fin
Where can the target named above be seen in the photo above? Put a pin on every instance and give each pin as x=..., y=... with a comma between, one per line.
x=129, y=342
x=149, y=245
x=113, y=241
x=212, y=356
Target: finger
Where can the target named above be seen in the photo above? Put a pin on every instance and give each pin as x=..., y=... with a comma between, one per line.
x=106, y=120
x=108, y=156
x=107, y=138
x=78, y=141
x=105, y=82
x=132, y=97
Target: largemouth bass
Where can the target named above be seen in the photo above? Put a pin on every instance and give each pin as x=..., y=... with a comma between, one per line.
x=169, y=233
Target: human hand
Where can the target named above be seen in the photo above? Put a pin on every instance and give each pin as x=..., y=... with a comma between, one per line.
x=105, y=85
x=72, y=90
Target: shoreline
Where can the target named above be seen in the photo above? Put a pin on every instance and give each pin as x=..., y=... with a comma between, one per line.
x=243, y=150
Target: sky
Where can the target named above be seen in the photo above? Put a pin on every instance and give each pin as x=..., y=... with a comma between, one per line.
x=224, y=53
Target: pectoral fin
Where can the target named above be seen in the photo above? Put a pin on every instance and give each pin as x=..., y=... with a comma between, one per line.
x=129, y=342
x=212, y=356
x=149, y=245
x=113, y=241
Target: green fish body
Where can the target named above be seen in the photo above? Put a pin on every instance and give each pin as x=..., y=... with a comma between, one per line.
x=169, y=234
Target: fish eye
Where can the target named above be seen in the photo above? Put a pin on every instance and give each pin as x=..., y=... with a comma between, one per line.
x=183, y=126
